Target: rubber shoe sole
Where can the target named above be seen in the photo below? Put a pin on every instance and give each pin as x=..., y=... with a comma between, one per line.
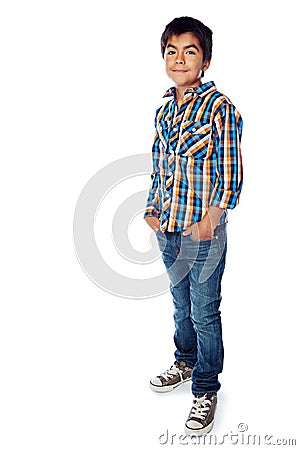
x=167, y=388
x=199, y=431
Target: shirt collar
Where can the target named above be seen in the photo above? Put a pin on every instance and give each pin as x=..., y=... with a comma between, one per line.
x=201, y=90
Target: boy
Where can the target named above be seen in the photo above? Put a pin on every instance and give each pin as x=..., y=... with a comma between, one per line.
x=197, y=176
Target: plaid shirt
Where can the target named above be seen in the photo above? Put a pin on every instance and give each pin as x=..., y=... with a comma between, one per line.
x=196, y=158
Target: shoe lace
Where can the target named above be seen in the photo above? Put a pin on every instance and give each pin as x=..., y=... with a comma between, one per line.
x=200, y=407
x=170, y=373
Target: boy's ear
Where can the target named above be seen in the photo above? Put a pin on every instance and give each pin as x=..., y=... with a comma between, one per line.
x=205, y=65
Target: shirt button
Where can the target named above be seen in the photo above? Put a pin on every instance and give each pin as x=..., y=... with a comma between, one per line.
x=193, y=129
x=170, y=174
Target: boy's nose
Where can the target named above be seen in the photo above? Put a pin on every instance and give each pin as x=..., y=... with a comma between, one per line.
x=180, y=59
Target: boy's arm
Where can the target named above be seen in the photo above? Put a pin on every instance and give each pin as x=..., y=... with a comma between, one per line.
x=228, y=185
x=152, y=209
x=229, y=180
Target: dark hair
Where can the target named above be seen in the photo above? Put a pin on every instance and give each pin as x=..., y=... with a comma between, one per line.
x=186, y=24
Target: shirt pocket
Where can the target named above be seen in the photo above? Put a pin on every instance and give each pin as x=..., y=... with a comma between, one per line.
x=195, y=138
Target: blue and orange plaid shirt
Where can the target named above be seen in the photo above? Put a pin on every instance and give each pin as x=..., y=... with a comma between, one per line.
x=196, y=158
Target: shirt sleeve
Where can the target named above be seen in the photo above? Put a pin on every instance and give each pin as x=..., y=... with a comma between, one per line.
x=153, y=201
x=229, y=177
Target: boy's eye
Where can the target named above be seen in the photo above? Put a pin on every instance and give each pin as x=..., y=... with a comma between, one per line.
x=170, y=52
x=190, y=52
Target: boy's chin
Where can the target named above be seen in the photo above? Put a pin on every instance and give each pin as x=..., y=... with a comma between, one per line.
x=186, y=83
x=180, y=83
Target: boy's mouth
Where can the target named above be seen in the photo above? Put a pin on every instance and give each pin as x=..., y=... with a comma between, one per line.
x=179, y=71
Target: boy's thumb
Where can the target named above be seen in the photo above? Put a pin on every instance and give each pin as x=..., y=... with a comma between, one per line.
x=187, y=232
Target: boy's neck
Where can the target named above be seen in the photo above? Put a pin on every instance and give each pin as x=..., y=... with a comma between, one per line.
x=180, y=90
x=180, y=95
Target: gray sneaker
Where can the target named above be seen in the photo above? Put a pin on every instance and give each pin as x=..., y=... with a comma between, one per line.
x=201, y=417
x=178, y=373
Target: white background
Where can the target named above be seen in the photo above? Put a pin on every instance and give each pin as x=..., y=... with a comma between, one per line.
x=80, y=82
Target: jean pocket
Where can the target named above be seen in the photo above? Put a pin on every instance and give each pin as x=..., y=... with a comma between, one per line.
x=221, y=240
x=201, y=240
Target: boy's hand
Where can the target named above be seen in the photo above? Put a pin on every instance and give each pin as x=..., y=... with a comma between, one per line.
x=204, y=230
x=201, y=231
x=153, y=222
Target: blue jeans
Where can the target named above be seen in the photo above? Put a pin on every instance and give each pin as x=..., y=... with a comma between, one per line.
x=195, y=270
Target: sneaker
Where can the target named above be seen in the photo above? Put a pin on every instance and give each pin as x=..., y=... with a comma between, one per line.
x=178, y=373
x=201, y=417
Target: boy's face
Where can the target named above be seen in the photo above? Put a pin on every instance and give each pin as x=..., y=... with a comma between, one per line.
x=184, y=60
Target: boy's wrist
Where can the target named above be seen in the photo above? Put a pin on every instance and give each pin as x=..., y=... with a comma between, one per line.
x=153, y=222
x=214, y=214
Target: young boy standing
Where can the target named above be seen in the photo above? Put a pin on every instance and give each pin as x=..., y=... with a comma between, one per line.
x=197, y=176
